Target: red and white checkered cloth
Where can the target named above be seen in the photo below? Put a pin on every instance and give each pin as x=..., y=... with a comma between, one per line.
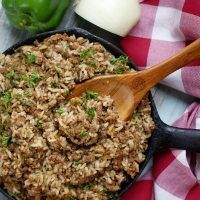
x=165, y=27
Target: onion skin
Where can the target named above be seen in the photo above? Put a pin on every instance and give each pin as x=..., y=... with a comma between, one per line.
x=115, y=16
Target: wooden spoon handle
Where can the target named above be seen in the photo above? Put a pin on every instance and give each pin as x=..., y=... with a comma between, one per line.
x=158, y=72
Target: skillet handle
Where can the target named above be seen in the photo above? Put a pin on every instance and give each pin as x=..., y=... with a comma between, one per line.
x=179, y=138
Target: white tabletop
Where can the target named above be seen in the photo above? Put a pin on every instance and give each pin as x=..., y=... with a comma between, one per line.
x=170, y=103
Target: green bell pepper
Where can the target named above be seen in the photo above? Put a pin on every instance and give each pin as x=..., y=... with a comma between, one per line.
x=35, y=15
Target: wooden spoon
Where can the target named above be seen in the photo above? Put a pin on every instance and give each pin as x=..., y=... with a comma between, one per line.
x=128, y=89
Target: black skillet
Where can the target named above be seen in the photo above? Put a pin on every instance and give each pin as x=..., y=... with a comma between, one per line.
x=163, y=136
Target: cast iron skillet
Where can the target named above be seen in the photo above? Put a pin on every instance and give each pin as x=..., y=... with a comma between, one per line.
x=163, y=136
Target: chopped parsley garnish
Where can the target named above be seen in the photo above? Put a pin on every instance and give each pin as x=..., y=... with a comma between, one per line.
x=11, y=74
x=28, y=132
x=1, y=130
x=71, y=198
x=87, y=53
x=69, y=129
x=73, y=102
x=105, y=190
x=93, y=63
x=120, y=70
x=28, y=103
x=60, y=111
x=137, y=126
x=10, y=77
x=83, y=133
x=133, y=115
x=58, y=71
x=6, y=97
x=5, y=140
x=122, y=59
x=33, y=79
x=91, y=113
x=66, y=93
x=39, y=126
x=112, y=195
x=15, y=50
x=17, y=195
x=81, y=62
x=121, y=62
x=87, y=186
x=92, y=95
x=31, y=58
x=54, y=85
x=22, y=77
x=66, y=47
x=5, y=116
x=26, y=93
x=17, y=96
x=85, y=101
x=103, y=71
x=77, y=162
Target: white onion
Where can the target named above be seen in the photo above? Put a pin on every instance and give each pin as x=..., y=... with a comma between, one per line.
x=116, y=16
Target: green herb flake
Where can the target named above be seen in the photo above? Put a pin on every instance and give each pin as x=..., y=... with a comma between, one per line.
x=87, y=186
x=6, y=100
x=31, y=58
x=77, y=162
x=5, y=140
x=74, y=102
x=34, y=78
x=28, y=132
x=103, y=71
x=11, y=74
x=58, y=71
x=1, y=93
x=120, y=70
x=92, y=95
x=23, y=78
x=60, y=111
x=93, y=63
x=28, y=103
x=54, y=85
x=85, y=101
x=121, y=59
x=66, y=47
x=1, y=130
x=80, y=62
x=26, y=93
x=39, y=126
x=134, y=115
x=137, y=126
x=17, y=195
x=83, y=133
x=5, y=117
x=112, y=195
x=66, y=93
x=71, y=198
x=14, y=50
x=87, y=53
x=17, y=96
x=105, y=190
x=10, y=77
x=91, y=113
x=6, y=97
x=69, y=129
